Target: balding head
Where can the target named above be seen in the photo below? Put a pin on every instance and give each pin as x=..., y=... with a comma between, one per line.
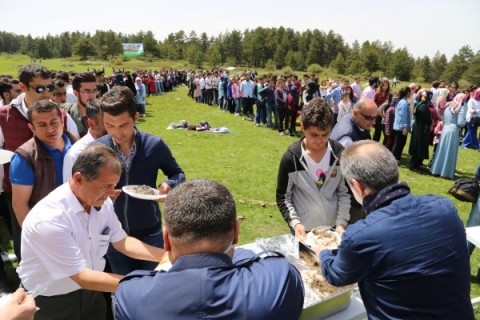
x=364, y=113
x=371, y=164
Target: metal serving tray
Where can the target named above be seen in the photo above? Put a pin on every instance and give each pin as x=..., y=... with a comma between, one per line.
x=314, y=307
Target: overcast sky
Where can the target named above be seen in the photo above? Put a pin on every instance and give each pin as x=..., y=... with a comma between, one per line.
x=423, y=27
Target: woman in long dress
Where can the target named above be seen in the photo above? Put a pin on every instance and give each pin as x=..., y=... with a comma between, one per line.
x=445, y=159
x=418, y=149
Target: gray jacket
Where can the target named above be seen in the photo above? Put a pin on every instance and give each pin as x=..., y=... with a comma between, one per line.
x=301, y=200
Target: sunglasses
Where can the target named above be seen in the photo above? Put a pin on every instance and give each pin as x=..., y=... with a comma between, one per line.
x=368, y=118
x=41, y=89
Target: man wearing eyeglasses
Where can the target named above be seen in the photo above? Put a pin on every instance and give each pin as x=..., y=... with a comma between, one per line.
x=85, y=89
x=36, y=84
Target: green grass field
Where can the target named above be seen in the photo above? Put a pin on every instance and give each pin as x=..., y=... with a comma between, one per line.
x=246, y=160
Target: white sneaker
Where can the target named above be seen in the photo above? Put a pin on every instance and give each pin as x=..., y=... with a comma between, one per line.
x=8, y=257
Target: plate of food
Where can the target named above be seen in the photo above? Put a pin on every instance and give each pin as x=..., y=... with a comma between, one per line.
x=323, y=238
x=143, y=192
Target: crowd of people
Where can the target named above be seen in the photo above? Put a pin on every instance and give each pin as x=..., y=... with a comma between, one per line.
x=77, y=235
x=278, y=101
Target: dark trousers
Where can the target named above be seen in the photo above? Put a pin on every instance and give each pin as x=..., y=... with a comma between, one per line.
x=399, y=144
x=209, y=98
x=247, y=104
x=121, y=264
x=378, y=129
x=231, y=105
x=16, y=230
x=5, y=214
x=76, y=305
x=292, y=120
x=388, y=141
x=281, y=118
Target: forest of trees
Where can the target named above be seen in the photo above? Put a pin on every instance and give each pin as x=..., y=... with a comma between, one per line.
x=270, y=48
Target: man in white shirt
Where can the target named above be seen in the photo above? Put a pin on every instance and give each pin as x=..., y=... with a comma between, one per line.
x=356, y=88
x=35, y=81
x=246, y=88
x=96, y=129
x=203, y=97
x=369, y=91
x=66, y=235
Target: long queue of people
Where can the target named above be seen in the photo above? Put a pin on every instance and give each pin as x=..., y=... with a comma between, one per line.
x=47, y=133
x=279, y=100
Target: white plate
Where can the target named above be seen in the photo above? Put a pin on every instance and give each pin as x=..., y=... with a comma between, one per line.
x=5, y=156
x=129, y=190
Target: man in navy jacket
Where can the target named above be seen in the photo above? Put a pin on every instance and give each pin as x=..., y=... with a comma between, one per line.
x=142, y=155
x=208, y=278
x=408, y=255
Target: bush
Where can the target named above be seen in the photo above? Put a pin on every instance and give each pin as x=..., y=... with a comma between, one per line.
x=314, y=68
x=419, y=79
x=116, y=62
x=463, y=84
x=270, y=65
x=287, y=70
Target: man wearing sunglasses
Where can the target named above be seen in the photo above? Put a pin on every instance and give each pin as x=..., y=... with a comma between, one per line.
x=36, y=84
x=355, y=127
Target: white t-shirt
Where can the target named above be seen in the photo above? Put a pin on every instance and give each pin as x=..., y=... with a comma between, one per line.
x=59, y=240
x=73, y=154
x=317, y=170
x=71, y=97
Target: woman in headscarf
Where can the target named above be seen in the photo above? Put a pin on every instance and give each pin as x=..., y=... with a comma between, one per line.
x=473, y=120
x=441, y=102
x=445, y=158
x=420, y=130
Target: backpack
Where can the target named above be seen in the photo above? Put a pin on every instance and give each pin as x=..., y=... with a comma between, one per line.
x=465, y=189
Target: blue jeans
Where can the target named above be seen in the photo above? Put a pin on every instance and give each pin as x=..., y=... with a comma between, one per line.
x=269, y=110
x=237, y=105
x=261, y=114
x=162, y=89
x=473, y=221
x=471, y=139
x=121, y=264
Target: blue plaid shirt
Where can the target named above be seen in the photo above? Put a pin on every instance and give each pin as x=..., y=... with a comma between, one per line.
x=126, y=160
x=335, y=95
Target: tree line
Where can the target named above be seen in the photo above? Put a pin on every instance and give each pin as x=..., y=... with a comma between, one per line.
x=269, y=48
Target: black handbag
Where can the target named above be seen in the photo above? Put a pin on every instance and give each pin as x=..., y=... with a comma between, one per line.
x=465, y=189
